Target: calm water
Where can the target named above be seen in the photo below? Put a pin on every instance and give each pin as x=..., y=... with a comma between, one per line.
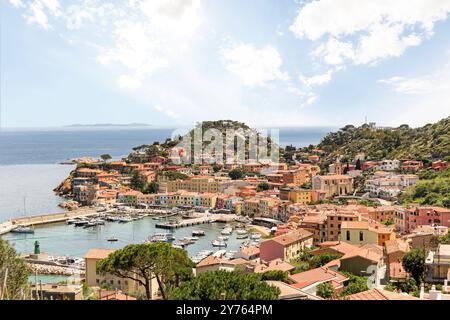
x=27, y=189
x=62, y=239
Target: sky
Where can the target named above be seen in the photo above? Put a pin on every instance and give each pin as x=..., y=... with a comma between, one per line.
x=264, y=62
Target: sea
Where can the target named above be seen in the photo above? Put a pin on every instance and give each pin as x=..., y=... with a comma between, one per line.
x=30, y=168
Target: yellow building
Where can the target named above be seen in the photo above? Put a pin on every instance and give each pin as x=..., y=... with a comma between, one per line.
x=96, y=279
x=200, y=184
x=208, y=200
x=296, y=195
x=365, y=232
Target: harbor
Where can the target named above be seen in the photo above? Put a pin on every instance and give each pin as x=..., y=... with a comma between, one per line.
x=65, y=238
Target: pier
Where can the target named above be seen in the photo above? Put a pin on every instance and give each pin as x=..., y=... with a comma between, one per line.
x=6, y=227
x=208, y=218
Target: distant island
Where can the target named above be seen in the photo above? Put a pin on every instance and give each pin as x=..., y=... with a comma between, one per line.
x=78, y=125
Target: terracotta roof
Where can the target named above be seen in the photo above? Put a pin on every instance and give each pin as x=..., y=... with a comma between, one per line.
x=114, y=295
x=393, y=246
x=97, y=253
x=378, y=294
x=250, y=250
x=318, y=275
x=291, y=237
x=209, y=261
x=288, y=292
x=273, y=265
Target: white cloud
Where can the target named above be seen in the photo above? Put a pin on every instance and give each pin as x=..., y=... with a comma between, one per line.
x=37, y=15
x=424, y=85
x=367, y=31
x=316, y=80
x=16, y=3
x=424, y=99
x=254, y=66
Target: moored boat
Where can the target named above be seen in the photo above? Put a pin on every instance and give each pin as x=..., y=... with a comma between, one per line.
x=22, y=229
x=218, y=243
x=198, y=233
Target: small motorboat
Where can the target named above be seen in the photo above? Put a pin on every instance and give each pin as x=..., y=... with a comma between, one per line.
x=71, y=221
x=198, y=233
x=81, y=223
x=223, y=238
x=22, y=229
x=161, y=237
x=113, y=239
x=125, y=219
x=255, y=236
x=219, y=243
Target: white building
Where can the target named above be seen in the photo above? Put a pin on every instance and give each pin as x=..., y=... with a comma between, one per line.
x=389, y=165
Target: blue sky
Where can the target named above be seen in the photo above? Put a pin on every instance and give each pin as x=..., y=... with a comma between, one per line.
x=175, y=62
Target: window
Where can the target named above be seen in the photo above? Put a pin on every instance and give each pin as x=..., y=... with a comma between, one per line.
x=348, y=235
x=97, y=280
x=331, y=225
x=339, y=218
x=361, y=236
x=331, y=218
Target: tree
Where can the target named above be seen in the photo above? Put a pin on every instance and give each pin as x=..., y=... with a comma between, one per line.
x=236, y=174
x=105, y=157
x=219, y=285
x=414, y=263
x=143, y=262
x=152, y=187
x=322, y=259
x=263, y=186
x=137, y=181
x=13, y=274
x=276, y=275
x=354, y=284
x=326, y=290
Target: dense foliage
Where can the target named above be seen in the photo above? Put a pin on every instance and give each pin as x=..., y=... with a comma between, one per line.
x=434, y=190
x=354, y=284
x=428, y=142
x=414, y=263
x=225, y=285
x=326, y=290
x=13, y=274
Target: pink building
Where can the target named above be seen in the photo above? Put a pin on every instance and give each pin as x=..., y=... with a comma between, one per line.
x=420, y=216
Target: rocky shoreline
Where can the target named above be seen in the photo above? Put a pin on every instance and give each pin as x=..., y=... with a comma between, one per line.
x=53, y=270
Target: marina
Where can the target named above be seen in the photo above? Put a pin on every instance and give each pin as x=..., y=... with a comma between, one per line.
x=65, y=238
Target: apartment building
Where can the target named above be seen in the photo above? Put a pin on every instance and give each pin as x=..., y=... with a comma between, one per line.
x=286, y=246
x=333, y=185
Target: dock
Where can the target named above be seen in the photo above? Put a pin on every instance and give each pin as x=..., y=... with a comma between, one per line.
x=195, y=221
x=6, y=227
x=185, y=223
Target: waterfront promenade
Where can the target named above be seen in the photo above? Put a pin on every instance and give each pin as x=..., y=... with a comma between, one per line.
x=45, y=219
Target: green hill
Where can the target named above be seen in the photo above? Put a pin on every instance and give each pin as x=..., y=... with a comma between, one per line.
x=431, y=141
x=434, y=189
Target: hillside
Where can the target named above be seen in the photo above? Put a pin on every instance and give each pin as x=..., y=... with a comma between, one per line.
x=434, y=189
x=431, y=141
x=145, y=152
